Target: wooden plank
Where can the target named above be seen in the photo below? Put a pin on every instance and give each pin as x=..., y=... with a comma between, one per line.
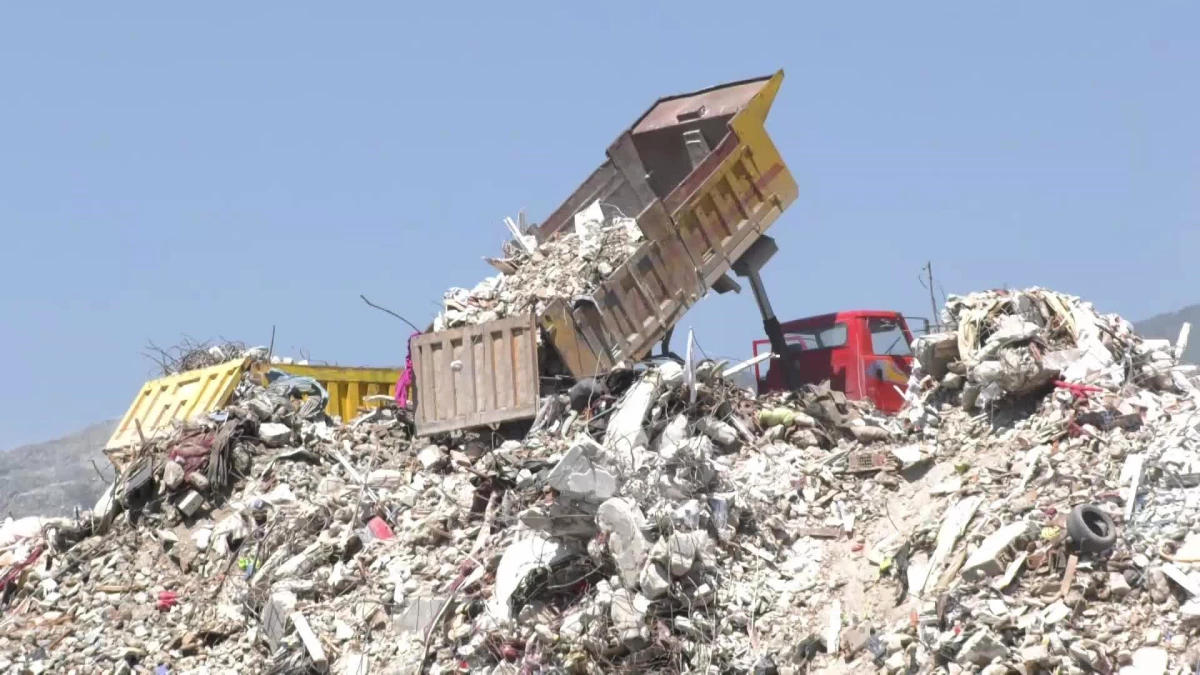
x=1069, y=576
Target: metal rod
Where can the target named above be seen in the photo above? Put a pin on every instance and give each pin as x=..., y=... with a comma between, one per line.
x=932, y=298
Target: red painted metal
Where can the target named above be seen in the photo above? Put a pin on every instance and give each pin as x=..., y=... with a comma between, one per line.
x=848, y=349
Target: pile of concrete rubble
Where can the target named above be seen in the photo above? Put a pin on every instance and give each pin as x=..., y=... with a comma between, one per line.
x=661, y=519
x=566, y=266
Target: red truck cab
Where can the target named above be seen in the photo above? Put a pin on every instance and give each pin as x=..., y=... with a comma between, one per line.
x=864, y=353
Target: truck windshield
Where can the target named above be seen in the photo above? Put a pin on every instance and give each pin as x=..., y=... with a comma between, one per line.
x=829, y=337
x=888, y=338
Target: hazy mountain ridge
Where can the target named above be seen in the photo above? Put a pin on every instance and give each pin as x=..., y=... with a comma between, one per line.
x=1167, y=326
x=52, y=477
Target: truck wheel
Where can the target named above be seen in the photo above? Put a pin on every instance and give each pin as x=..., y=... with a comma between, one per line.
x=1091, y=529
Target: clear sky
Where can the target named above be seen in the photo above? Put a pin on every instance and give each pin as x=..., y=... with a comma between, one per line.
x=214, y=169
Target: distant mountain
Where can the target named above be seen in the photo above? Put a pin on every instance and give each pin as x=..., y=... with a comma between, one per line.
x=1167, y=326
x=52, y=478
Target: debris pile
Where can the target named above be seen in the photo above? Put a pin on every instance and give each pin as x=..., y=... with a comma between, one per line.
x=569, y=265
x=660, y=519
x=1005, y=343
x=193, y=355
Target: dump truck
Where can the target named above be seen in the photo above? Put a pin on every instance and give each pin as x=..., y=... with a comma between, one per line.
x=706, y=182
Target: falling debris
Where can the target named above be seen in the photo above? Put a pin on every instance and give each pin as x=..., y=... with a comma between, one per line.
x=564, y=267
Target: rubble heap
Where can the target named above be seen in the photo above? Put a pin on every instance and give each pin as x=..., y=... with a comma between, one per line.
x=569, y=265
x=1013, y=343
x=660, y=519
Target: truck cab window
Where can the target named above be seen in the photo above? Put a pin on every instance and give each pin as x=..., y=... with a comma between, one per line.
x=829, y=337
x=887, y=338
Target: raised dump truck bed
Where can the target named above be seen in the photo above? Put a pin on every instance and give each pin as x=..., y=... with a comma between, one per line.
x=705, y=180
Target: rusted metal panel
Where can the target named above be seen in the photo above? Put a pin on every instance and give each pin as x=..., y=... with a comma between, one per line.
x=652, y=152
x=476, y=375
x=719, y=101
x=607, y=184
x=178, y=398
x=582, y=355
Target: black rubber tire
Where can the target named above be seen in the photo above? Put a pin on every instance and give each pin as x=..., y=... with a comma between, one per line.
x=1091, y=529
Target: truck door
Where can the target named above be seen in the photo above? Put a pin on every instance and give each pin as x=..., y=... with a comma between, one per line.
x=886, y=361
x=817, y=348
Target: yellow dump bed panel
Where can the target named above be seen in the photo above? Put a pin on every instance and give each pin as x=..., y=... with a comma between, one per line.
x=348, y=387
x=183, y=397
x=706, y=182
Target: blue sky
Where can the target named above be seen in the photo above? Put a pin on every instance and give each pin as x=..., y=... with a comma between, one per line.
x=216, y=169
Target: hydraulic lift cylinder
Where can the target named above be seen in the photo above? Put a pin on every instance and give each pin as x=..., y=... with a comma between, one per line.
x=749, y=266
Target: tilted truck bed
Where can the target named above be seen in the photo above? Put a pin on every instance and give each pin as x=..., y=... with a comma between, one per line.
x=705, y=180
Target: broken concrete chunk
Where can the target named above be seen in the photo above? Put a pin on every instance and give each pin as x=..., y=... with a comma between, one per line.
x=673, y=436
x=1055, y=613
x=855, y=639
x=1118, y=585
x=172, y=475
x=419, y=615
x=628, y=616
x=354, y=664
x=431, y=457
x=1148, y=661
x=623, y=521
x=907, y=454
x=191, y=503
x=520, y=559
x=1034, y=657
x=935, y=352
x=987, y=560
x=197, y=480
x=654, y=582
x=864, y=433
x=626, y=435
x=274, y=434
x=682, y=549
x=297, y=564
x=1189, y=613
x=577, y=476
x=721, y=433
x=1180, y=577
x=316, y=653
x=385, y=478
x=275, y=615
x=982, y=648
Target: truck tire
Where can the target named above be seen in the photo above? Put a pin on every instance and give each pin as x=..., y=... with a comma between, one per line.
x=1091, y=529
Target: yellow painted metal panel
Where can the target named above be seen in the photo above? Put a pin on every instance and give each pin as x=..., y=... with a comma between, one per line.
x=183, y=397
x=347, y=387
x=695, y=233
